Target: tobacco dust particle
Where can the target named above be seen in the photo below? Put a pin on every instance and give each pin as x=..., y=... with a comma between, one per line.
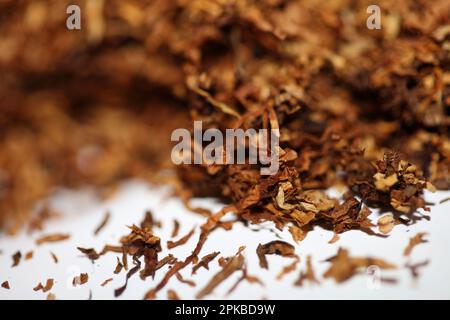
x=6, y=285
x=16, y=258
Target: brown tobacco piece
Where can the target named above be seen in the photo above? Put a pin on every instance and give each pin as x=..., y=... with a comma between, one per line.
x=119, y=291
x=103, y=223
x=119, y=267
x=181, y=241
x=29, y=255
x=54, y=257
x=182, y=280
x=386, y=223
x=104, y=283
x=278, y=247
x=5, y=285
x=288, y=269
x=149, y=222
x=414, y=241
x=93, y=255
x=80, y=280
x=51, y=296
x=48, y=286
x=16, y=258
x=414, y=268
x=176, y=228
x=236, y=263
x=344, y=267
x=308, y=274
x=204, y=262
x=172, y=295
x=52, y=238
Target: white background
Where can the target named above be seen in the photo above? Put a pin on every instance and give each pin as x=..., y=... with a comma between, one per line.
x=83, y=213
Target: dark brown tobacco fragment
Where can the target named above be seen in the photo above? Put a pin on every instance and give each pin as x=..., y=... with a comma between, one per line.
x=149, y=222
x=119, y=267
x=5, y=285
x=288, y=269
x=56, y=237
x=277, y=247
x=176, y=228
x=104, y=283
x=119, y=291
x=16, y=258
x=181, y=241
x=204, y=262
x=343, y=267
x=414, y=241
x=80, y=280
x=103, y=223
x=90, y=252
x=48, y=286
x=54, y=257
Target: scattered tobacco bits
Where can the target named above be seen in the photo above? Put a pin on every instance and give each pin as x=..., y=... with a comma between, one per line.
x=56, y=237
x=307, y=275
x=48, y=286
x=181, y=241
x=54, y=257
x=277, y=247
x=204, y=261
x=104, y=283
x=343, y=266
x=80, y=280
x=172, y=295
x=16, y=259
x=103, y=223
x=414, y=241
x=44, y=214
x=5, y=285
x=29, y=255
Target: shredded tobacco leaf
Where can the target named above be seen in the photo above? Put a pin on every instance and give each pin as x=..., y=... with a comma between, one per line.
x=103, y=223
x=414, y=241
x=56, y=237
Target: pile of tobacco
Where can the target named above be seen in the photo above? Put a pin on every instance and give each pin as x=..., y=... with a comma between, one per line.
x=363, y=111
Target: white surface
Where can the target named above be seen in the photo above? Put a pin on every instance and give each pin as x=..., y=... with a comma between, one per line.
x=83, y=213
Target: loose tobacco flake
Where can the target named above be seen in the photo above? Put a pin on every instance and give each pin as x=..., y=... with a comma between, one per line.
x=16, y=258
x=181, y=241
x=48, y=286
x=103, y=223
x=5, y=285
x=277, y=247
x=204, y=262
x=56, y=237
x=414, y=241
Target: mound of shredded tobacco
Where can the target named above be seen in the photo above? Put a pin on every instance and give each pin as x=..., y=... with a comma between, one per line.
x=364, y=111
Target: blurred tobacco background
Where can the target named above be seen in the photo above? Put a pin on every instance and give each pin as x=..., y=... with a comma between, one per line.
x=365, y=110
